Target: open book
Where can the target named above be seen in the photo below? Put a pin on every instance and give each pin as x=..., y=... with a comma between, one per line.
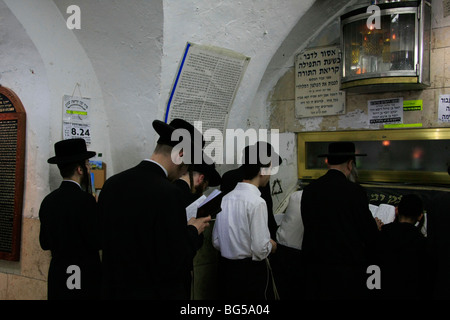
x=205, y=206
x=384, y=212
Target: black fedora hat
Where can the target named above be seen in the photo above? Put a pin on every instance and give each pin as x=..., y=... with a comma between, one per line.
x=165, y=132
x=71, y=150
x=208, y=168
x=261, y=153
x=339, y=152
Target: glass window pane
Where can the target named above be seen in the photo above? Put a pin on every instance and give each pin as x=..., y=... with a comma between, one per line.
x=390, y=48
x=390, y=155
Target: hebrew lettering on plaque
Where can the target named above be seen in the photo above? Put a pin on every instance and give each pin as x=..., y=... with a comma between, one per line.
x=12, y=160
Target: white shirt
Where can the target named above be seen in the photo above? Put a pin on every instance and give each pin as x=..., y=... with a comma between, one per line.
x=241, y=229
x=290, y=232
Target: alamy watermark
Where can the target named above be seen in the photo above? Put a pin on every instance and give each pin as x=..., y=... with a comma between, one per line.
x=74, y=20
x=374, y=20
x=374, y=280
x=215, y=151
x=74, y=280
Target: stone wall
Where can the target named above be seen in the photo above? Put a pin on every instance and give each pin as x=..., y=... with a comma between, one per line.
x=283, y=96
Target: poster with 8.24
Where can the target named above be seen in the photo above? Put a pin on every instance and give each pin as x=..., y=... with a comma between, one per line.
x=76, y=118
x=73, y=130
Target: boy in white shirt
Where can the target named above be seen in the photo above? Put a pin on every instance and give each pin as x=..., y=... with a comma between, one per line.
x=242, y=236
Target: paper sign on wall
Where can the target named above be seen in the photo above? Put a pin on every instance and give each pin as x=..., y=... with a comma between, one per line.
x=76, y=118
x=205, y=85
x=317, y=82
x=385, y=111
x=444, y=108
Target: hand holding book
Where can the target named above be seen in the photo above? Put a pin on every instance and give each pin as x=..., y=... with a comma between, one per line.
x=205, y=206
x=211, y=206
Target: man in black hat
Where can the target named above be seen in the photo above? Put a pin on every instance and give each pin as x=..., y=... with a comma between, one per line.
x=70, y=227
x=339, y=229
x=192, y=186
x=241, y=232
x=147, y=245
x=195, y=182
x=403, y=255
x=231, y=178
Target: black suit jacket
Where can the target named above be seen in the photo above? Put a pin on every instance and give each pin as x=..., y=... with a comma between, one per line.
x=70, y=230
x=147, y=245
x=404, y=261
x=188, y=196
x=438, y=234
x=339, y=237
x=229, y=181
x=339, y=227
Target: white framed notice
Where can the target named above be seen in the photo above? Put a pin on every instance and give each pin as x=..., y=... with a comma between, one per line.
x=444, y=108
x=76, y=118
x=389, y=111
x=317, y=83
x=205, y=85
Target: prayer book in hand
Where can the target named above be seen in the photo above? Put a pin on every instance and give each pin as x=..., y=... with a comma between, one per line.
x=211, y=206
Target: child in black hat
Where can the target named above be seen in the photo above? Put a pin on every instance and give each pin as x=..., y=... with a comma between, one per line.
x=403, y=253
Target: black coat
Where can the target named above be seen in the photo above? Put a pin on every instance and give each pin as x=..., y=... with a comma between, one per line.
x=229, y=181
x=439, y=237
x=147, y=245
x=70, y=230
x=188, y=196
x=404, y=260
x=340, y=234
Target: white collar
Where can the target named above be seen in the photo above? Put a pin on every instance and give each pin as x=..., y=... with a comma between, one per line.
x=248, y=186
x=73, y=182
x=164, y=169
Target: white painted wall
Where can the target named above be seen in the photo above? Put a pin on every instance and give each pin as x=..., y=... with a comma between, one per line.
x=253, y=28
x=123, y=41
x=23, y=70
x=125, y=57
x=312, y=29
x=60, y=64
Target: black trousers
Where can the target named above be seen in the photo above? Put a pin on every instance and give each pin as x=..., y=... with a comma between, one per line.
x=335, y=281
x=243, y=279
x=287, y=266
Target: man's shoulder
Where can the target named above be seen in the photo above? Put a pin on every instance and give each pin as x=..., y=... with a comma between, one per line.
x=238, y=194
x=334, y=179
x=138, y=172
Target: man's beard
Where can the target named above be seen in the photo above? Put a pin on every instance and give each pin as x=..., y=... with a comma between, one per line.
x=85, y=182
x=200, y=189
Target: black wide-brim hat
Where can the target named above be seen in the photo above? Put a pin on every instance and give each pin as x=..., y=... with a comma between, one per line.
x=341, y=149
x=69, y=151
x=209, y=170
x=165, y=132
x=262, y=152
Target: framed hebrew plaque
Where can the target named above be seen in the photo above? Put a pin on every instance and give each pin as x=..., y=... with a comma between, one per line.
x=12, y=163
